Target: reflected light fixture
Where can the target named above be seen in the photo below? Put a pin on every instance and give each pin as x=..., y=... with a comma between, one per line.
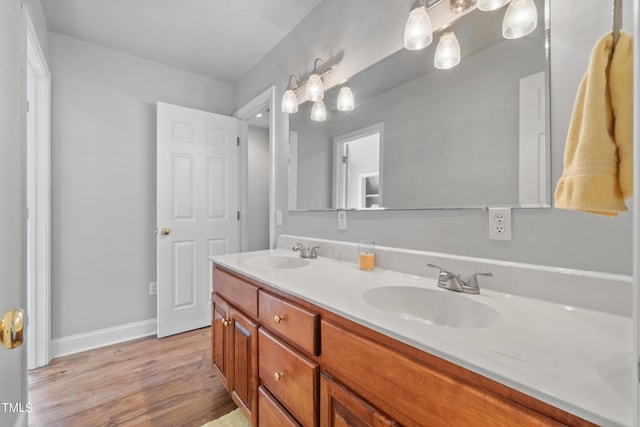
x=315, y=88
x=489, y=5
x=345, y=99
x=520, y=19
x=448, y=52
x=318, y=112
x=418, y=32
x=289, y=99
x=461, y=6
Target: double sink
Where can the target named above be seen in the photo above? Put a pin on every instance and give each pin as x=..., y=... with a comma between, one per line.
x=426, y=306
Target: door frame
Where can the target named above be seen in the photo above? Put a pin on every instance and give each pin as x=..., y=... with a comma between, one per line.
x=39, y=182
x=266, y=99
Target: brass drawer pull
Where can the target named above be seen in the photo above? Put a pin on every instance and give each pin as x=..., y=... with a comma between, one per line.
x=226, y=322
x=278, y=318
x=278, y=376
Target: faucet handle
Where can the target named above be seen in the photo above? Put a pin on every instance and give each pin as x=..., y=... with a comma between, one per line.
x=473, y=279
x=442, y=270
x=313, y=251
x=444, y=275
x=298, y=247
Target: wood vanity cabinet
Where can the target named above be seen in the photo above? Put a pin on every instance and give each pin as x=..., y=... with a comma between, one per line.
x=245, y=362
x=288, y=341
x=234, y=340
x=341, y=407
x=291, y=363
x=220, y=358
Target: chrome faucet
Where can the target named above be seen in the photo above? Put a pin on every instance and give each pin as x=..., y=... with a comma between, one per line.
x=454, y=282
x=310, y=252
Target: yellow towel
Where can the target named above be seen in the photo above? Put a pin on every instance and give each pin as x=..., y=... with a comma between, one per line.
x=597, y=174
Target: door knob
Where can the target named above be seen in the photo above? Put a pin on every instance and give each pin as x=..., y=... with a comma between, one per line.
x=166, y=231
x=12, y=328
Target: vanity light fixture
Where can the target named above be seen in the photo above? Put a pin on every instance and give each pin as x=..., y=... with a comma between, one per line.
x=315, y=88
x=461, y=6
x=520, y=19
x=448, y=52
x=318, y=112
x=489, y=5
x=345, y=99
x=418, y=32
x=289, y=99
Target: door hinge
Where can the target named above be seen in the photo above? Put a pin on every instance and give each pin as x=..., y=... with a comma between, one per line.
x=27, y=106
x=238, y=215
x=639, y=370
x=238, y=141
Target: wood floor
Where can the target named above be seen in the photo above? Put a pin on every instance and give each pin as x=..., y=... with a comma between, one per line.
x=145, y=382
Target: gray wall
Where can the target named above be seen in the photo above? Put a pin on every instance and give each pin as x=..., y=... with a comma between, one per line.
x=364, y=31
x=258, y=222
x=103, y=179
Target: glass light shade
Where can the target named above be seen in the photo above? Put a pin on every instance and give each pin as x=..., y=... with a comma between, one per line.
x=315, y=88
x=448, y=52
x=489, y=5
x=345, y=99
x=289, y=102
x=418, y=32
x=318, y=112
x=520, y=19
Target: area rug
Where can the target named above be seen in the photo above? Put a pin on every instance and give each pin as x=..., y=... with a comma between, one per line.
x=234, y=418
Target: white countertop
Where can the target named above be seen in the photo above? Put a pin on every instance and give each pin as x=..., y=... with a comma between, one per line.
x=575, y=359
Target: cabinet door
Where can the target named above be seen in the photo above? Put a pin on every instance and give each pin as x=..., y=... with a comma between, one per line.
x=220, y=327
x=340, y=407
x=244, y=388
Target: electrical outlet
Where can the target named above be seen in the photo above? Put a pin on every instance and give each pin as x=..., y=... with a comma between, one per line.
x=500, y=223
x=153, y=288
x=342, y=220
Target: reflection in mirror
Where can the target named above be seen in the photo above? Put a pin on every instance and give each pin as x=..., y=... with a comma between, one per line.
x=357, y=169
x=471, y=136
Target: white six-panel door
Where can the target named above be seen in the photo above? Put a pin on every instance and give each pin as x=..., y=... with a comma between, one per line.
x=197, y=204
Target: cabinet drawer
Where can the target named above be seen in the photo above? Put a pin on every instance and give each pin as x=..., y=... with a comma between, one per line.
x=410, y=391
x=240, y=293
x=271, y=413
x=290, y=377
x=296, y=324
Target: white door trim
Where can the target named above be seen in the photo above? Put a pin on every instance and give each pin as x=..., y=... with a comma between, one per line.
x=39, y=312
x=264, y=100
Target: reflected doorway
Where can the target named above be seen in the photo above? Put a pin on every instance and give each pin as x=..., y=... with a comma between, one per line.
x=357, y=170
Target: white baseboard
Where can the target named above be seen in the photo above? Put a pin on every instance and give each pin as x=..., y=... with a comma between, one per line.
x=102, y=337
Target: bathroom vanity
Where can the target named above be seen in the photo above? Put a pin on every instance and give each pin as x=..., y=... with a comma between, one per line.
x=295, y=343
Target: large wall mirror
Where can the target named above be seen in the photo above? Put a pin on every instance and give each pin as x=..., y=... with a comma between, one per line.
x=420, y=138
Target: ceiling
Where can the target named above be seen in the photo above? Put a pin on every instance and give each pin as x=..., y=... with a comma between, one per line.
x=219, y=39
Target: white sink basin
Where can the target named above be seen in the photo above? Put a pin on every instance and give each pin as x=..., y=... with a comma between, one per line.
x=432, y=306
x=277, y=262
